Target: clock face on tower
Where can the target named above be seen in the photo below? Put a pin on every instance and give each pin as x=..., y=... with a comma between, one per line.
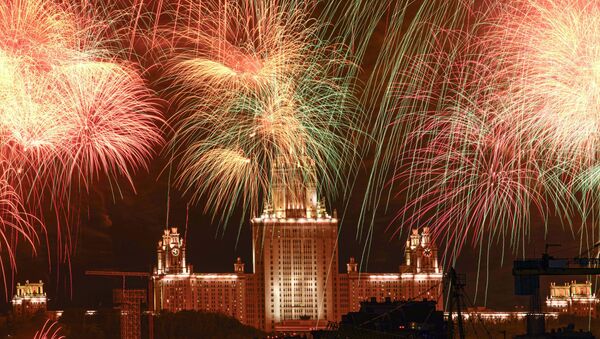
x=175, y=251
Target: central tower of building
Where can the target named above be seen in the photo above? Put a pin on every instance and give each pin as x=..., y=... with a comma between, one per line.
x=295, y=254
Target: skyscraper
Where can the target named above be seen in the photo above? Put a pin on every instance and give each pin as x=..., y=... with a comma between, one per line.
x=295, y=255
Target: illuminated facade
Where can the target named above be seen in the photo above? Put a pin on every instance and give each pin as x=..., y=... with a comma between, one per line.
x=29, y=300
x=177, y=288
x=487, y=315
x=573, y=298
x=295, y=285
x=295, y=256
x=419, y=277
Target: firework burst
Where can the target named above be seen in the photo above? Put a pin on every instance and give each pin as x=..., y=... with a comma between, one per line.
x=547, y=66
x=471, y=179
x=497, y=119
x=111, y=121
x=71, y=110
x=256, y=85
x=37, y=33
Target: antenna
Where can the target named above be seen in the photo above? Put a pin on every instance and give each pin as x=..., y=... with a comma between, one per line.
x=187, y=218
x=168, y=210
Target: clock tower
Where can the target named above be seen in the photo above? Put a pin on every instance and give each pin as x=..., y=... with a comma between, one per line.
x=420, y=253
x=171, y=254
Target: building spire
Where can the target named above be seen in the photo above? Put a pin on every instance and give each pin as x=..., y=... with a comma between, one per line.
x=293, y=192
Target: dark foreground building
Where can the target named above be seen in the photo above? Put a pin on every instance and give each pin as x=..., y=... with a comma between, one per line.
x=568, y=332
x=397, y=319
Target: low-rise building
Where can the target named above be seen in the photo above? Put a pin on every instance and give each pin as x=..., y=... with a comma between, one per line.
x=573, y=298
x=29, y=299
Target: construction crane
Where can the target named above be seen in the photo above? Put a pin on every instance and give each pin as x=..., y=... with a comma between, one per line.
x=122, y=274
x=527, y=281
x=130, y=301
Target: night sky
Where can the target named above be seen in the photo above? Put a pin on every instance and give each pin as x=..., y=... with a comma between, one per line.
x=121, y=233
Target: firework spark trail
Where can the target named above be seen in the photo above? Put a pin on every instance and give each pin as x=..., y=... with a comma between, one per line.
x=15, y=224
x=394, y=34
x=36, y=33
x=464, y=167
x=473, y=181
x=255, y=85
x=219, y=170
x=50, y=330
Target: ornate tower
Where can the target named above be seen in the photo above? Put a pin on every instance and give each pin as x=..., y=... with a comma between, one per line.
x=352, y=266
x=295, y=253
x=293, y=190
x=238, y=266
x=420, y=253
x=171, y=254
